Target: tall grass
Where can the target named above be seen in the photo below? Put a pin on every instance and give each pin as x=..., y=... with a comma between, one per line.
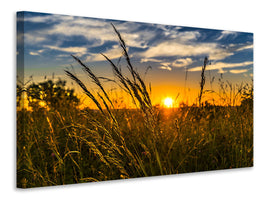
x=59, y=145
x=203, y=80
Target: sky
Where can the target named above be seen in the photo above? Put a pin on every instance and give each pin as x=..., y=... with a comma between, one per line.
x=174, y=54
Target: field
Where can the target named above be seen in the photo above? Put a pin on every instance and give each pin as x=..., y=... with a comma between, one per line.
x=59, y=142
x=65, y=146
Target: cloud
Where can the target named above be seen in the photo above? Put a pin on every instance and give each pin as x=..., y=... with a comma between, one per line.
x=38, y=19
x=220, y=54
x=79, y=51
x=172, y=48
x=150, y=60
x=34, y=53
x=96, y=31
x=34, y=38
x=113, y=53
x=99, y=33
x=186, y=46
x=239, y=47
x=187, y=36
x=225, y=34
x=46, y=18
x=138, y=39
x=250, y=46
x=182, y=62
x=221, y=65
x=169, y=31
x=165, y=67
x=238, y=71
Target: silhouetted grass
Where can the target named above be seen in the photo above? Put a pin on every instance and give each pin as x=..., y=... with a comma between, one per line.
x=64, y=144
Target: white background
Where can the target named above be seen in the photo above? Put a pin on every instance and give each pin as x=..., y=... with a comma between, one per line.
x=248, y=16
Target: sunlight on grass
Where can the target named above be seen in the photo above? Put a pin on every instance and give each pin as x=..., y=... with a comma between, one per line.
x=59, y=142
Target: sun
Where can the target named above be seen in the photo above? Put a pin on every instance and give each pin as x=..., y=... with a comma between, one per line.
x=168, y=102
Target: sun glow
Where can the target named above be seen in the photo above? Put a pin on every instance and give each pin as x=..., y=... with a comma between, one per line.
x=168, y=102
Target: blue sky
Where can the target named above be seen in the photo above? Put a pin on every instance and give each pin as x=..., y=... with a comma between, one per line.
x=49, y=40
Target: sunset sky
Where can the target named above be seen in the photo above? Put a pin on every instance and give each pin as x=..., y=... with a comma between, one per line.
x=49, y=40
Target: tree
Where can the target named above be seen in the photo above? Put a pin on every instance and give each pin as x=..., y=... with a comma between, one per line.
x=51, y=94
x=247, y=97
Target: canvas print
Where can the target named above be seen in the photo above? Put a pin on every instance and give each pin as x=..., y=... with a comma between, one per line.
x=101, y=99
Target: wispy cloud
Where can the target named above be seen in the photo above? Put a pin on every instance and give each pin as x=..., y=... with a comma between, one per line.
x=187, y=36
x=172, y=48
x=143, y=60
x=34, y=53
x=34, y=38
x=97, y=35
x=188, y=47
x=96, y=31
x=184, y=62
x=113, y=53
x=249, y=46
x=166, y=47
x=78, y=51
x=225, y=34
x=46, y=18
x=166, y=68
x=238, y=71
x=168, y=31
x=221, y=66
